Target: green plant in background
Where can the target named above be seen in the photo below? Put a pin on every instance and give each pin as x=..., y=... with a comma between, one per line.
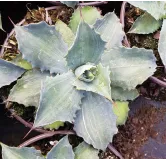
x=83, y=76
x=150, y=21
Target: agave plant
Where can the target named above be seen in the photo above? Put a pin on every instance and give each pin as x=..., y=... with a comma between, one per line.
x=80, y=73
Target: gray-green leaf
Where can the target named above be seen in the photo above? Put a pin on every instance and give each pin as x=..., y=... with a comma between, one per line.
x=42, y=46
x=121, y=110
x=20, y=153
x=110, y=30
x=87, y=48
x=59, y=100
x=70, y=3
x=96, y=121
x=9, y=72
x=19, y=61
x=65, y=31
x=145, y=24
x=85, y=151
x=129, y=66
x=155, y=8
x=62, y=150
x=162, y=43
x=27, y=89
x=89, y=15
x=118, y=93
x=100, y=85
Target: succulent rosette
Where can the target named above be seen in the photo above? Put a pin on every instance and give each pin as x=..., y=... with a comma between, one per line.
x=78, y=74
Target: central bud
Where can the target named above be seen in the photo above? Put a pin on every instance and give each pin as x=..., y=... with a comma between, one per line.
x=86, y=73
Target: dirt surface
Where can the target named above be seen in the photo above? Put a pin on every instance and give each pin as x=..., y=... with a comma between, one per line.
x=138, y=130
x=140, y=136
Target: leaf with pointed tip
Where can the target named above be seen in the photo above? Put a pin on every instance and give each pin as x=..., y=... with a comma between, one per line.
x=59, y=100
x=145, y=24
x=89, y=15
x=85, y=151
x=20, y=153
x=1, y=23
x=27, y=89
x=110, y=30
x=70, y=3
x=9, y=72
x=100, y=85
x=87, y=48
x=42, y=46
x=155, y=8
x=129, y=66
x=96, y=121
x=121, y=110
x=120, y=94
x=162, y=42
x=19, y=61
x=62, y=150
x=65, y=31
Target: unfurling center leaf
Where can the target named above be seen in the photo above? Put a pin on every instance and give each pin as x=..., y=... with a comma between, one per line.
x=86, y=73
